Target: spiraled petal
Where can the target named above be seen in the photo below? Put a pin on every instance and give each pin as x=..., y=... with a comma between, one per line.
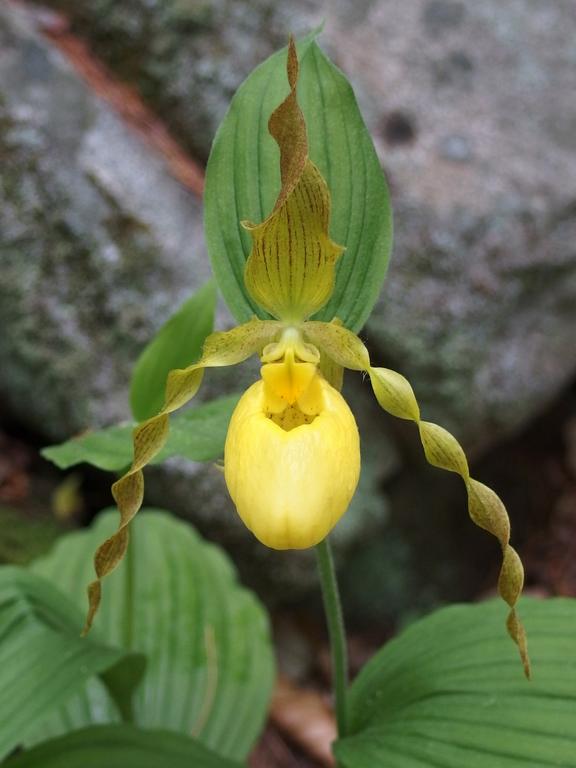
x=486, y=509
x=220, y=349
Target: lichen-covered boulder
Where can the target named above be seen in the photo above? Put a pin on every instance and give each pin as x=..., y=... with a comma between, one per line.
x=186, y=58
x=477, y=134
x=98, y=243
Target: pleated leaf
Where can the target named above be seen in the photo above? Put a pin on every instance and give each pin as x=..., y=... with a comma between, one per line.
x=197, y=434
x=243, y=182
x=448, y=693
x=43, y=660
x=175, y=599
x=177, y=344
x=120, y=746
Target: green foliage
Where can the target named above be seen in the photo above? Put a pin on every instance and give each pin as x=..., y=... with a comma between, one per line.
x=120, y=746
x=43, y=660
x=177, y=344
x=197, y=434
x=175, y=599
x=449, y=692
x=243, y=180
x=20, y=541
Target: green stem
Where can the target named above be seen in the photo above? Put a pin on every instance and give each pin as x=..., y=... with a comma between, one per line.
x=336, y=632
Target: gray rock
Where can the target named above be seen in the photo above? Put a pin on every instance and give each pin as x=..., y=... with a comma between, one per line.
x=442, y=15
x=480, y=303
x=457, y=148
x=98, y=241
x=187, y=58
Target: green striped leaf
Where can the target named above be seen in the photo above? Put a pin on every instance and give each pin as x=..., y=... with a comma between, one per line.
x=176, y=345
x=120, y=747
x=197, y=434
x=43, y=659
x=450, y=692
x=175, y=599
x=243, y=180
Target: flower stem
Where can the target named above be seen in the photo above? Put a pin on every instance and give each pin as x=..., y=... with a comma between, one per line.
x=336, y=632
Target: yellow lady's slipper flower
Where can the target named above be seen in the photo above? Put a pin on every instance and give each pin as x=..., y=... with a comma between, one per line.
x=292, y=456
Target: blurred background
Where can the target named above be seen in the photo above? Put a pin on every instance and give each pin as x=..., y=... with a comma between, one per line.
x=107, y=113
